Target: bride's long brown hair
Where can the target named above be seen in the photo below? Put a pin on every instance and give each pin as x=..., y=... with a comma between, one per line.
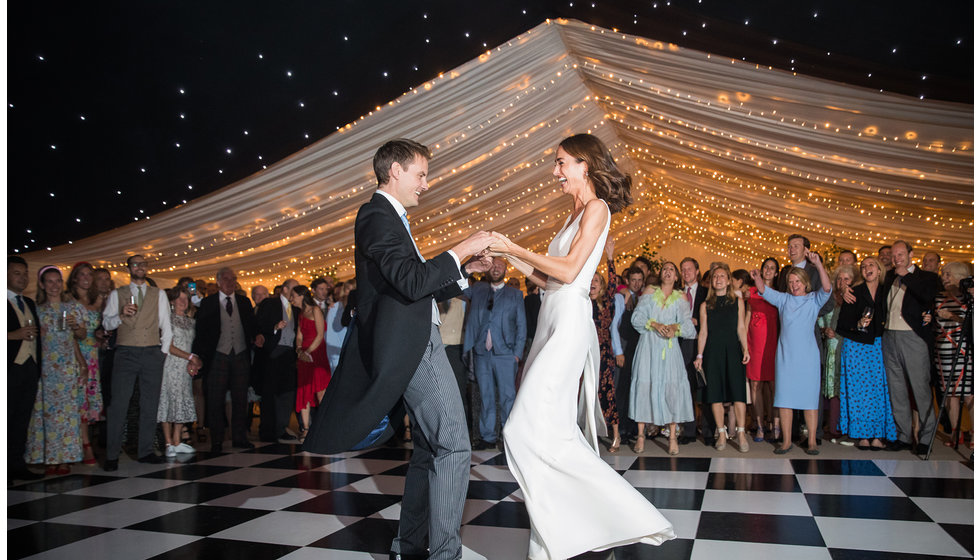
x=611, y=184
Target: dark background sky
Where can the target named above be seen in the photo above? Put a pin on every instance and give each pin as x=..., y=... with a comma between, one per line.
x=99, y=133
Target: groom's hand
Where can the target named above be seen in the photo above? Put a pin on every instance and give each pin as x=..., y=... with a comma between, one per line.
x=473, y=245
x=479, y=263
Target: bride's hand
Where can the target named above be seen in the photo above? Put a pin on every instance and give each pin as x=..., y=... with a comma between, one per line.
x=500, y=245
x=610, y=247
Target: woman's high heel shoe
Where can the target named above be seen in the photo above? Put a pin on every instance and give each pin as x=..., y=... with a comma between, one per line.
x=672, y=448
x=742, y=439
x=87, y=450
x=721, y=438
x=614, y=447
x=638, y=446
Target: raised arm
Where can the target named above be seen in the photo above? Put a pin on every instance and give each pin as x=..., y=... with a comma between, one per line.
x=564, y=269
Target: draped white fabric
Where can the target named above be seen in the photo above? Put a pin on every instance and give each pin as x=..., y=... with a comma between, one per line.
x=727, y=156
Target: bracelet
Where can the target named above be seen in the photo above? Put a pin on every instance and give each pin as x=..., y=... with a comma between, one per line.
x=700, y=356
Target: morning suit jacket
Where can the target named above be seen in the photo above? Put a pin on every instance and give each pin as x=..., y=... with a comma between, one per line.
x=390, y=332
x=13, y=323
x=267, y=316
x=689, y=346
x=920, y=296
x=507, y=321
x=208, y=326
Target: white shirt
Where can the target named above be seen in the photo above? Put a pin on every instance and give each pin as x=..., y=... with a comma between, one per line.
x=463, y=284
x=111, y=319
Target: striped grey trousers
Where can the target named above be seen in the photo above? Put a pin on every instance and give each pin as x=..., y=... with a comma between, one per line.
x=439, y=471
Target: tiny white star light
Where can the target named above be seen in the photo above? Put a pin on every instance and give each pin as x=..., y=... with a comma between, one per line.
x=289, y=73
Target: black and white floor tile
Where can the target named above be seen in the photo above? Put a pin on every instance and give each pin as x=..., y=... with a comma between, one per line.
x=277, y=502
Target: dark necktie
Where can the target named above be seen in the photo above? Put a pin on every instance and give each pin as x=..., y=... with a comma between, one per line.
x=20, y=303
x=228, y=307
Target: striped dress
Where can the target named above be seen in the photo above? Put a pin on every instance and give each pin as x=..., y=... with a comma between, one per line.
x=947, y=338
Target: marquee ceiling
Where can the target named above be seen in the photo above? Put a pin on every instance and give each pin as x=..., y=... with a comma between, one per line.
x=726, y=155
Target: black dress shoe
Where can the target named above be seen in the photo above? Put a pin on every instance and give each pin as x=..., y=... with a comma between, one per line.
x=898, y=446
x=403, y=556
x=24, y=474
x=287, y=437
x=684, y=440
x=482, y=445
x=243, y=444
x=921, y=449
x=111, y=465
x=709, y=441
x=152, y=459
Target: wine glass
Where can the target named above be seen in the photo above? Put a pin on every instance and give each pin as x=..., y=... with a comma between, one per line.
x=867, y=314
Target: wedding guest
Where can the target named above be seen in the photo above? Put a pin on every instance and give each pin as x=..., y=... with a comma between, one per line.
x=624, y=340
x=695, y=294
x=885, y=258
x=259, y=293
x=797, y=355
x=865, y=407
x=55, y=437
x=842, y=278
x=723, y=352
x=106, y=338
x=321, y=291
x=601, y=293
x=950, y=315
x=659, y=391
x=532, y=305
x=931, y=262
x=762, y=337
x=277, y=320
x=312, y=365
x=336, y=332
x=177, y=405
x=847, y=258
x=82, y=288
x=23, y=371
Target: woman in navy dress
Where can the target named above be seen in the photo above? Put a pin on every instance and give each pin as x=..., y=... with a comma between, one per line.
x=797, y=355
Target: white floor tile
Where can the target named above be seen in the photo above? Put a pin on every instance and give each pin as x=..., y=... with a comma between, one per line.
x=750, y=466
x=667, y=479
x=127, y=487
x=362, y=466
x=266, y=497
x=473, y=508
x=380, y=484
x=239, y=460
x=913, y=537
x=287, y=527
x=333, y=554
x=947, y=510
x=494, y=543
x=492, y=473
x=734, y=550
x=392, y=512
x=252, y=477
x=924, y=469
x=18, y=523
x=619, y=462
x=848, y=485
x=767, y=503
x=685, y=521
x=122, y=543
x=121, y=513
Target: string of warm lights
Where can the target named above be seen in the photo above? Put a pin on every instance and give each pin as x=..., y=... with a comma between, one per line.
x=726, y=155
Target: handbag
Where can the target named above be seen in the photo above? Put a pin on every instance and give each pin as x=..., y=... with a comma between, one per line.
x=702, y=381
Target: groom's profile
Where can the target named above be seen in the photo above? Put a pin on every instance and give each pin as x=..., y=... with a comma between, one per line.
x=395, y=350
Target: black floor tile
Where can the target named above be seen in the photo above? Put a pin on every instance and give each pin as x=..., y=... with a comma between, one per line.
x=686, y=464
x=504, y=514
x=677, y=549
x=673, y=498
x=346, y=503
x=775, y=529
x=199, y=520
x=298, y=462
x=835, y=466
x=318, y=480
x=54, y=506
x=499, y=460
x=865, y=507
x=188, y=472
x=962, y=533
x=387, y=454
x=276, y=449
x=936, y=487
x=848, y=554
x=400, y=470
x=753, y=482
x=224, y=549
x=194, y=492
x=38, y=537
x=489, y=490
x=367, y=535
x=63, y=484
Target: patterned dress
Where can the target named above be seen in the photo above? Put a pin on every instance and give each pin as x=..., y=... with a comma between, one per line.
x=830, y=380
x=176, y=390
x=607, y=361
x=55, y=434
x=92, y=389
x=947, y=337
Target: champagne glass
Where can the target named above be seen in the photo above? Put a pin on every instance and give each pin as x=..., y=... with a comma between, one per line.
x=29, y=322
x=62, y=323
x=867, y=314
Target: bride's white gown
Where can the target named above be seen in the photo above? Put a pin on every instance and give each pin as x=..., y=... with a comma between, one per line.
x=575, y=500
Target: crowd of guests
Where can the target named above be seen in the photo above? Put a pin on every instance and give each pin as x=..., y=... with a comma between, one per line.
x=854, y=353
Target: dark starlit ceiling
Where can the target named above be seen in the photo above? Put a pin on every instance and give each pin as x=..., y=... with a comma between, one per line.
x=118, y=112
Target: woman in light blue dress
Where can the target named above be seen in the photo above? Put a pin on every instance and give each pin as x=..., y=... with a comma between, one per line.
x=660, y=393
x=797, y=355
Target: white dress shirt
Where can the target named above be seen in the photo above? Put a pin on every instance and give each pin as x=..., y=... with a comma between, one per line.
x=111, y=319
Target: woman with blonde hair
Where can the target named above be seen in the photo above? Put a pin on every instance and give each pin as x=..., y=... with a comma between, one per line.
x=842, y=277
x=950, y=315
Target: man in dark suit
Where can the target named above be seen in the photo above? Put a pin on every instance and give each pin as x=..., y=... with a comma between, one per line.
x=277, y=322
x=226, y=330
x=23, y=367
x=905, y=345
x=695, y=294
x=496, y=329
x=394, y=349
x=624, y=340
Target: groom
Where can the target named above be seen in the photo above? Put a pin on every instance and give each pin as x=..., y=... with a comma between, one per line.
x=394, y=350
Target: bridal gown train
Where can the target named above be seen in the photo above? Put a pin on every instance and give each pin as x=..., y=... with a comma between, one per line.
x=575, y=500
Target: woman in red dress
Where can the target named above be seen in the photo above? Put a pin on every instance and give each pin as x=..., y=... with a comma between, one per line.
x=763, y=337
x=312, y=364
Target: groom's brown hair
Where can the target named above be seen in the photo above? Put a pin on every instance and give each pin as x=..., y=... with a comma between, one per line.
x=401, y=150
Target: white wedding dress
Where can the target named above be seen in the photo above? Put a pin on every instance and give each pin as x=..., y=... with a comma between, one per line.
x=575, y=500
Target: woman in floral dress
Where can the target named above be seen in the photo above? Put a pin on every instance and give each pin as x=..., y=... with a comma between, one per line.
x=81, y=286
x=54, y=436
x=176, y=393
x=601, y=293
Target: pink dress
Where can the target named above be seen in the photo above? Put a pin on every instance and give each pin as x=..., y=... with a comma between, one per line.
x=763, y=337
x=311, y=377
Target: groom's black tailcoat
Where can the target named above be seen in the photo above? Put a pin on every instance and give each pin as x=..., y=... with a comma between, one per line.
x=391, y=330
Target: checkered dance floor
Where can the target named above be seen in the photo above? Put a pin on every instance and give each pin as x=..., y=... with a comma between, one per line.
x=277, y=502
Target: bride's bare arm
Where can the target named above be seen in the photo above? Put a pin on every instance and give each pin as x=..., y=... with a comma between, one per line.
x=563, y=269
x=537, y=278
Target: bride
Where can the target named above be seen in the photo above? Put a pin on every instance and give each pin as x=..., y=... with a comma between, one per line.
x=575, y=500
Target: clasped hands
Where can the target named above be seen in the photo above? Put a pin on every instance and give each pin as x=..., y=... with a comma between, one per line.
x=483, y=246
x=194, y=365
x=666, y=331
